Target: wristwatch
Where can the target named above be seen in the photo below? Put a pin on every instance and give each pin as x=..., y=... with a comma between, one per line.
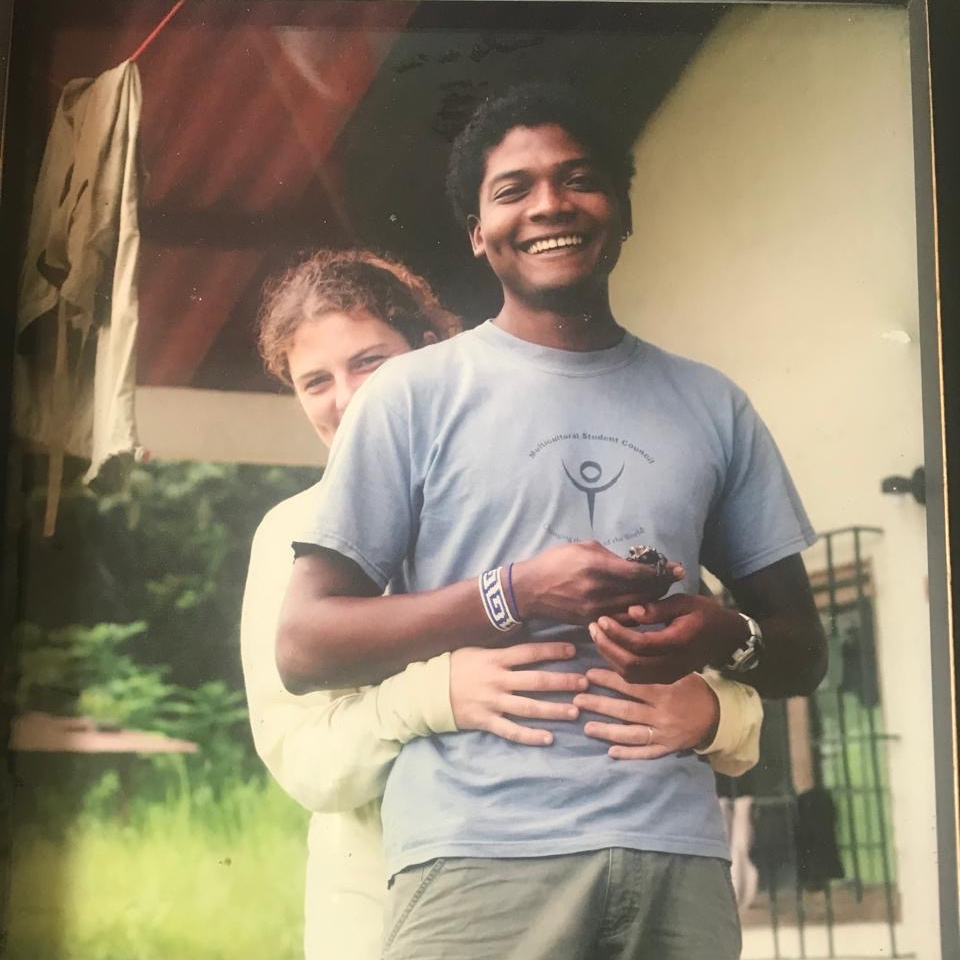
x=748, y=654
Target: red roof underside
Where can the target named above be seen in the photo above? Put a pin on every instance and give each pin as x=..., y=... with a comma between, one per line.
x=272, y=127
x=240, y=112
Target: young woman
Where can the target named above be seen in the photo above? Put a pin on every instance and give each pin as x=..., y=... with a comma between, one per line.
x=325, y=326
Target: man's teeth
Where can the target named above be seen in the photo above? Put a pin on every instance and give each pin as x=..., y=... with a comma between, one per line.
x=554, y=243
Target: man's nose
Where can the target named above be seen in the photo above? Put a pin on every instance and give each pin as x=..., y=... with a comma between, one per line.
x=548, y=201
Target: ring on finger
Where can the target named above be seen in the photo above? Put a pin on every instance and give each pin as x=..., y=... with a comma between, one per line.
x=649, y=734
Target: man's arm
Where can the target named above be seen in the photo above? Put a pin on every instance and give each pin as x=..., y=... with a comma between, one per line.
x=698, y=631
x=336, y=629
x=794, y=657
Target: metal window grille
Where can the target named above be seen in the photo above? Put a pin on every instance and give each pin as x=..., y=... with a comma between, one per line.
x=822, y=841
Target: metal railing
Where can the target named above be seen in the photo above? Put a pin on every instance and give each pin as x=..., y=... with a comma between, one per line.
x=822, y=842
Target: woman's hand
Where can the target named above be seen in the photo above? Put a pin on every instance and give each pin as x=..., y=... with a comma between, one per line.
x=484, y=688
x=658, y=719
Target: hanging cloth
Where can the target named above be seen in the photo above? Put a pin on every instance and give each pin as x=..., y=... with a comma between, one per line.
x=74, y=373
x=817, y=850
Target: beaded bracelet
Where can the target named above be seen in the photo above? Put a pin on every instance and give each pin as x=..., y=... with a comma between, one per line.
x=495, y=600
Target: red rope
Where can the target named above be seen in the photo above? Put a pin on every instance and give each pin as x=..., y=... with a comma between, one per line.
x=153, y=33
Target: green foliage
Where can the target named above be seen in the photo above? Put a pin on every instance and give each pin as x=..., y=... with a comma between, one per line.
x=85, y=670
x=89, y=672
x=131, y=612
x=130, y=616
x=169, y=550
x=202, y=711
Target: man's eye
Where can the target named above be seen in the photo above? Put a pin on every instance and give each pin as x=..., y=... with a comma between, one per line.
x=513, y=191
x=583, y=181
x=315, y=384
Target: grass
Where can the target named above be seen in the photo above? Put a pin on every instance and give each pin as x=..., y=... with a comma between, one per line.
x=198, y=878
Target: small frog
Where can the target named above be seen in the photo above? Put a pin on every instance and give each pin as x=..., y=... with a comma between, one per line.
x=649, y=556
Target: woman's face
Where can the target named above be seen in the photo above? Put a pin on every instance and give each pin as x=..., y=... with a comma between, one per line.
x=330, y=357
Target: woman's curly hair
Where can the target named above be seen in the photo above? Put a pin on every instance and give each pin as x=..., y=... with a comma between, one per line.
x=331, y=281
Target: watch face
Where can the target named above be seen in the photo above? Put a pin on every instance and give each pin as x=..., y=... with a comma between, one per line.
x=747, y=656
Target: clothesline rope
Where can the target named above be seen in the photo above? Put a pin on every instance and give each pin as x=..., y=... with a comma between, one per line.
x=153, y=33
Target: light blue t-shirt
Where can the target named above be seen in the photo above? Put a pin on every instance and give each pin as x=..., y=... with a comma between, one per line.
x=486, y=449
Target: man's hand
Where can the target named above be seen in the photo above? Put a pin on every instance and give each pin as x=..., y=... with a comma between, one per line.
x=484, y=687
x=579, y=582
x=658, y=719
x=696, y=631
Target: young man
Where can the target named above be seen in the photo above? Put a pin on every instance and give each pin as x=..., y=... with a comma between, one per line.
x=550, y=425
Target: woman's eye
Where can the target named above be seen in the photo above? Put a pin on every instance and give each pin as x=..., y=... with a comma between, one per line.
x=373, y=361
x=316, y=384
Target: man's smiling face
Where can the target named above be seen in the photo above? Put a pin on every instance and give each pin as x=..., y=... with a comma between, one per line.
x=548, y=221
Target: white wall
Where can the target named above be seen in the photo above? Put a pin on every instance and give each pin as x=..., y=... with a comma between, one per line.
x=775, y=238
x=225, y=426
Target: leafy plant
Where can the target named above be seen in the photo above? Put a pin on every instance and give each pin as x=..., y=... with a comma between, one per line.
x=62, y=667
x=131, y=612
x=169, y=550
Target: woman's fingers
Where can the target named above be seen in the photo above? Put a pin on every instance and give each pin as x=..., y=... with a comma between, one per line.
x=629, y=734
x=648, y=692
x=653, y=752
x=521, y=654
x=531, y=709
x=515, y=733
x=631, y=741
x=539, y=681
x=627, y=710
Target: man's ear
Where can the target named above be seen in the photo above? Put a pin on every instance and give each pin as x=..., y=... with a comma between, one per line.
x=476, y=235
x=428, y=337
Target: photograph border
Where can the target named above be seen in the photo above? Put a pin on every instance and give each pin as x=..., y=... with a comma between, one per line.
x=934, y=144
x=933, y=27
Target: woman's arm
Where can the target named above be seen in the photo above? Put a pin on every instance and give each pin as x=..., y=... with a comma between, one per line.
x=735, y=748
x=332, y=750
x=329, y=750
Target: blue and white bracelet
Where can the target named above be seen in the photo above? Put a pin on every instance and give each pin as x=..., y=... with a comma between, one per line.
x=495, y=601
